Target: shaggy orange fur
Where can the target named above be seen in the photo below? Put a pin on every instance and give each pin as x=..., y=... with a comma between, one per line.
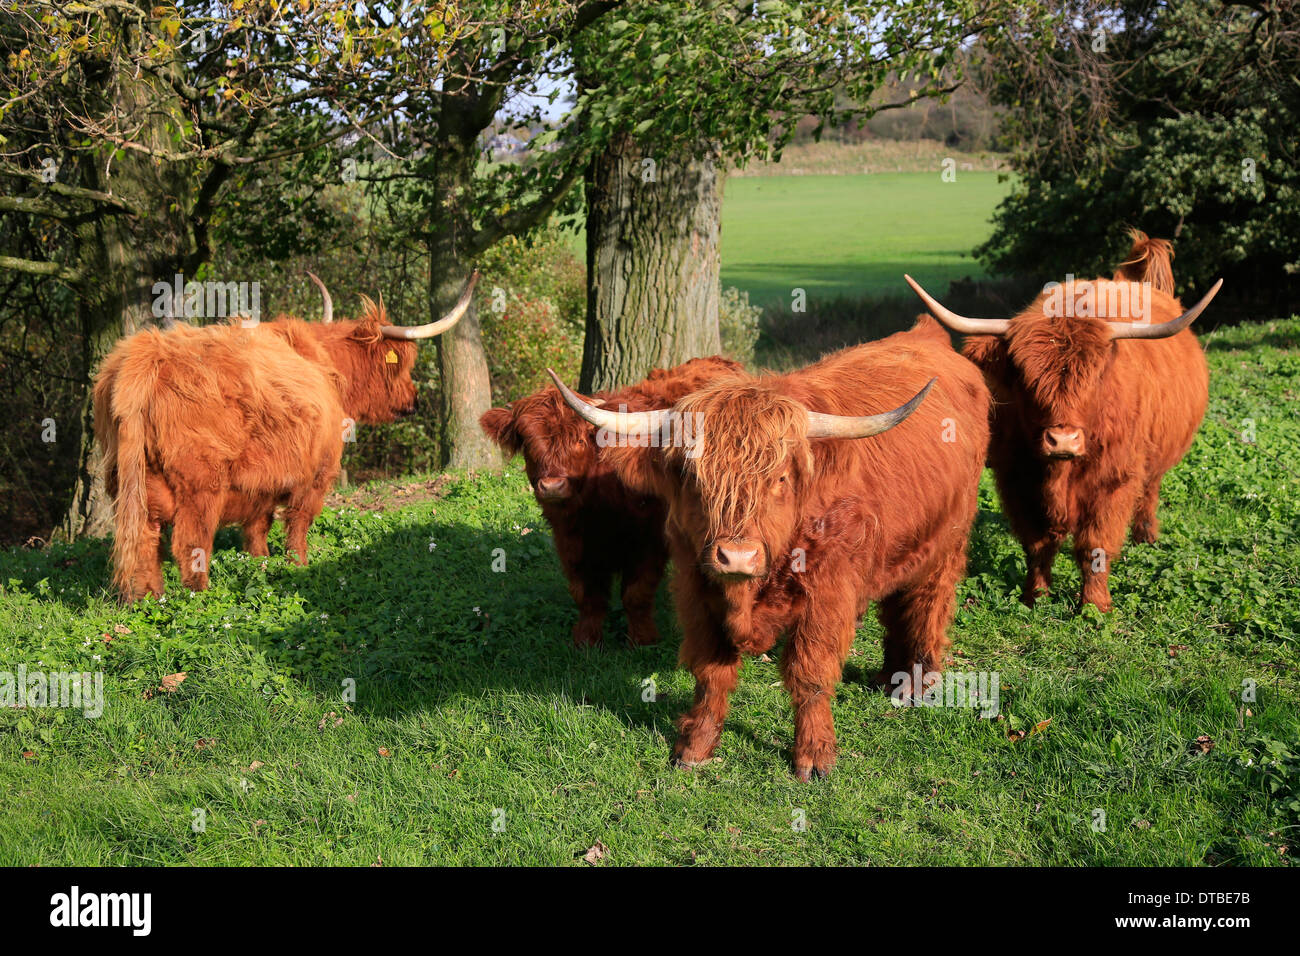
x=836, y=523
x=1135, y=403
x=600, y=528
x=204, y=426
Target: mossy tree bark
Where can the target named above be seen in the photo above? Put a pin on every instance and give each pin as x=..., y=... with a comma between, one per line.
x=653, y=225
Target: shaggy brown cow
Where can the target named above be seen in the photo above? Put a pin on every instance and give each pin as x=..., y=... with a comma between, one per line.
x=1089, y=413
x=599, y=526
x=779, y=522
x=200, y=426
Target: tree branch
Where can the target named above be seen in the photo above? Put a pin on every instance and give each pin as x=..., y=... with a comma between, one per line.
x=38, y=268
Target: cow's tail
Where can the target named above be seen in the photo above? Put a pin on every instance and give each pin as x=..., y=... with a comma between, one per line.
x=120, y=425
x=1150, y=260
x=132, y=507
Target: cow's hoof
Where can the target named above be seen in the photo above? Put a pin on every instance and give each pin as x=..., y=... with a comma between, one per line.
x=689, y=757
x=1029, y=597
x=642, y=636
x=1145, y=534
x=587, y=635
x=681, y=763
x=805, y=770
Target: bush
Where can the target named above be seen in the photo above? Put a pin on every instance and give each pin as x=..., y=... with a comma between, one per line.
x=532, y=309
x=1184, y=127
x=738, y=324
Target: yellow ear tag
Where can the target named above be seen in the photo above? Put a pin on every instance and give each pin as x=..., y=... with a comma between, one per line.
x=391, y=357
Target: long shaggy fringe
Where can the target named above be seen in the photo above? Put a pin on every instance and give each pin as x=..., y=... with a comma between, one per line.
x=749, y=424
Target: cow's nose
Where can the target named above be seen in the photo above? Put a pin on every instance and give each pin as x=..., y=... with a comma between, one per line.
x=553, y=487
x=737, y=557
x=1063, y=442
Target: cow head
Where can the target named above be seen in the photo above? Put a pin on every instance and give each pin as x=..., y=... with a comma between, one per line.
x=1049, y=365
x=374, y=359
x=559, y=448
x=734, y=462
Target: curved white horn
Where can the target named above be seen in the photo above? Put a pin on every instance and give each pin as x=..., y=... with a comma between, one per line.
x=620, y=423
x=328, y=315
x=442, y=325
x=1145, y=330
x=863, y=426
x=958, y=323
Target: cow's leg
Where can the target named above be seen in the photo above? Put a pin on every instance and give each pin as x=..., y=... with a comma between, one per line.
x=195, y=525
x=150, y=561
x=1039, y=555
x=811, y=667
x=640, y=584
x=255, y=531
x=590, y=587
x=302, y=509
x=1098, y=542
x=1146, y=526
x=715, y=662
x=916, y=620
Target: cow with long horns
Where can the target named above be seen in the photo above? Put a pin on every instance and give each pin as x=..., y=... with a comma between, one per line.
x=1099, y=388
x=600, y=527
x=793, y=501
x=204, y=426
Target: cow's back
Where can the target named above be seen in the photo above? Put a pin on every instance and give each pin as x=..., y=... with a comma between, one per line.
x=1168, y=384
x=243, y=408
x=913, y=487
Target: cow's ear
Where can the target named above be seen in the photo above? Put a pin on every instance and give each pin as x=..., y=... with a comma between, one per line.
x=639, y=469
x=985, y=351
x=989, y=353
x=499, y=425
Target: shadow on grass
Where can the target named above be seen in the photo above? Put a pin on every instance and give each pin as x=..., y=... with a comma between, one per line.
x=429, y=610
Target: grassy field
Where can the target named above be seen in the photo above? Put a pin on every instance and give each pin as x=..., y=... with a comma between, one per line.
x=853, y=235
x=477, y=735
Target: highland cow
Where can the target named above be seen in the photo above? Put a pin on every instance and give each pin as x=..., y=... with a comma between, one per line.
x=1099, y=388
x=204, y=426
x=796, y=499
x=600, y=527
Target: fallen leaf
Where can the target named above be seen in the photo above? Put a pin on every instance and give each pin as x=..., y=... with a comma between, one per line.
x=255, y=764
x=597, y=853
x=121, y=629
x=1175, y=648
x=28, y=754
x=1203, y=744
x=1040, y=726
x=171, y=682
x=383, y=752
x=203, y=743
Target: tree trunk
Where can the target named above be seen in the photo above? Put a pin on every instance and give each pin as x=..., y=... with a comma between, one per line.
x=120, y=306
x=466, y=385
x=652, y=262
x=462, y=362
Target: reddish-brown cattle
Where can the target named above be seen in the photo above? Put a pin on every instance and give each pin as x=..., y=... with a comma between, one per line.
x=599, y=526
x=779, y=522
x=200, y=426
x=1089, y=412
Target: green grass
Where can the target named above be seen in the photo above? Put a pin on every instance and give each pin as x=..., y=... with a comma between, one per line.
x=853, y=235
x=465, y=680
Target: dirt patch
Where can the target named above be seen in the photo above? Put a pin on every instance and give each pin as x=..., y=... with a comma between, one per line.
x=396, y=495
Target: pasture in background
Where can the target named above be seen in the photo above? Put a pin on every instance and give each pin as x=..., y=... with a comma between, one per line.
x=853, y=236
